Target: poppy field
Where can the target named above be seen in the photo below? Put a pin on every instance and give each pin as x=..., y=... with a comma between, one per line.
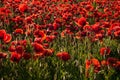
x=59, y=40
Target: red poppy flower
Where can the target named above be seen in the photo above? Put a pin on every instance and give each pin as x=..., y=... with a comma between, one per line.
x=56, y=25
x=94, y=62
x=23, y=7
x=66, y=16
x=87, y=64
x=19, y=49
x=105, y=51
x=117, y=33
x=106, y=25
x=35, y=2
x=15, y=57
x=116, y=15
x=46, y=45
x=81, y=21
x=18, y=19
x=28, y=19
x=38, y=47
x=3, y=55
x=104, y=63
x=87, y=28
x=96, y=65
x=96, y=27
x=39, y=34
x=18, y=31
x=23, y=42
x=48, y=52
x=2, y=34
x=89, y=7
x=7, y=38
x=14, y=43
x=114, y=30
x=12, y=48
x=63, y=56
x=50, y=38
x=38, y=40
x=37, y=56
x=99, y=36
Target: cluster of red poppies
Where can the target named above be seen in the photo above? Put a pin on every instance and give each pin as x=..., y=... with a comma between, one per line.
x=6, y=38
x=97, y=65
x=29, y=26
